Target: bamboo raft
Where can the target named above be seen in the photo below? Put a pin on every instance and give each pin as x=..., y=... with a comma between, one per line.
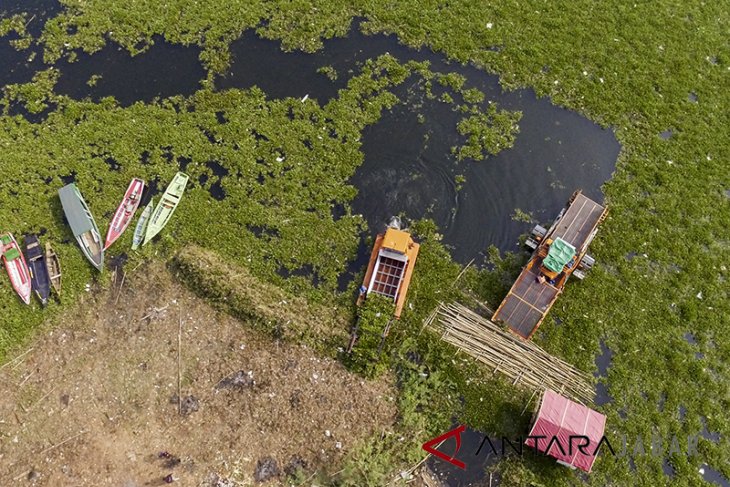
x=522, y=361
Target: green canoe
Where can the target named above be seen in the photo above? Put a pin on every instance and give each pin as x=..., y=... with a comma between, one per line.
x=166, y=206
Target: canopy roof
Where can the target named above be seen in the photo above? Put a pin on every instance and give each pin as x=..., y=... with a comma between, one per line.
x=75, y=209
x=559, y=254
x=397, y=240
x=561, y=418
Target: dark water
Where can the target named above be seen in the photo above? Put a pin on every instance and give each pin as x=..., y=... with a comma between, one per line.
x=712, y=476
x=603, y=362
x=20, y=66
x=164, y=70
x=408, y=165
x=408, y=168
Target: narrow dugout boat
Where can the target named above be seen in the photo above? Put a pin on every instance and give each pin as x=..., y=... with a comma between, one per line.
x=125, y=212
x=16, y=267
x=141, y=228
x=54, y=269
x=39, y=278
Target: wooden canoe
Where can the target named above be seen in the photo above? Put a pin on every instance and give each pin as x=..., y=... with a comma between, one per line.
x=39, y=278
x=54, y=269
x=141, y=228
x=166, y=206
x=125, y=212
x=16, y=267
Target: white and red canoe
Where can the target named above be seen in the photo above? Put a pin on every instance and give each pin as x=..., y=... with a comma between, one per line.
x=17, y=268
x=125, y=212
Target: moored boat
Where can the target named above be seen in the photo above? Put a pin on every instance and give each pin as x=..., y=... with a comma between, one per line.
x=125, y=211
x=141, y=227
x=166, y=206
x=54, y=269
x=39, y=277
x=82, y=224
x=390, y=268
x=16, y=267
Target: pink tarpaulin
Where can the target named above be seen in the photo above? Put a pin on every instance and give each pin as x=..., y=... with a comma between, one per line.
x=564, y=426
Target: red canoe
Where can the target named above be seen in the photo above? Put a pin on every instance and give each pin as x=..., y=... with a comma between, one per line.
x=125, y=212
x=16, y=267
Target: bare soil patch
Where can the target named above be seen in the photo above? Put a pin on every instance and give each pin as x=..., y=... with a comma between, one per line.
x=95, y=402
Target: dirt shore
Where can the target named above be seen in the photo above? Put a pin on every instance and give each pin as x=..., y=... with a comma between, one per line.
x=94, y=399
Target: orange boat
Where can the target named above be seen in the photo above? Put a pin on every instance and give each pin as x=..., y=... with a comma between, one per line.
x=390, y=267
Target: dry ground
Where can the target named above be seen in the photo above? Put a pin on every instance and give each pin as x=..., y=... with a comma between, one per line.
x=94, y=402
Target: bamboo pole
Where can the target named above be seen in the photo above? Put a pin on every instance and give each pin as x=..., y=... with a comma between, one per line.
x=522, y=361
x=179, y=369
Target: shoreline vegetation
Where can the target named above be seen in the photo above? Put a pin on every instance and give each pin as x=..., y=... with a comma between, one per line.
x=657, y=297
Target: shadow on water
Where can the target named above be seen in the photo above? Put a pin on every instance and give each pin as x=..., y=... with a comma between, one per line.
x=473, y=453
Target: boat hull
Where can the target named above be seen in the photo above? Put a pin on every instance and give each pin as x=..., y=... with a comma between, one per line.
x=16, y=267
x=166, y=206
x=39, y=277
x=384, y=282
x=125, y=212
x=54, y=269
x=141, y=228
x=90, y=243
x=82, y=224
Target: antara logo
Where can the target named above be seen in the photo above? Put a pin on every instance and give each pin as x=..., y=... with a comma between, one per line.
x=571, y=445
x=431, y=445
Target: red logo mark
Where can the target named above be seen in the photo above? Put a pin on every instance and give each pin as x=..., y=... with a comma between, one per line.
x=431, y=445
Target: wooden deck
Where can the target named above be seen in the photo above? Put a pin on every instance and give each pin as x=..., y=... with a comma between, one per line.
x=578, y=222
x=528, y=301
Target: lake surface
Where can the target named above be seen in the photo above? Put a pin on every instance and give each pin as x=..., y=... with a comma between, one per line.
x=409, y=168
x=408, y=165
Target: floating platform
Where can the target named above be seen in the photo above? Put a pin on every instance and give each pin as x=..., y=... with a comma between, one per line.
x=538, y=286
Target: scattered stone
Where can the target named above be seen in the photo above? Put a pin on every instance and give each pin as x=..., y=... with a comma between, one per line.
x=34, y=475
x=240, y=380
x=266, y=469
x=65, y=399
